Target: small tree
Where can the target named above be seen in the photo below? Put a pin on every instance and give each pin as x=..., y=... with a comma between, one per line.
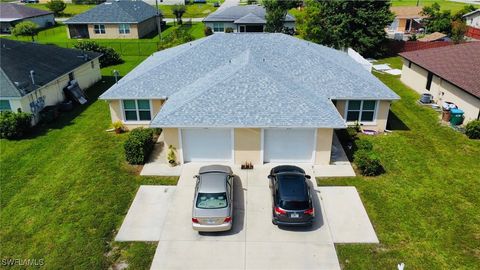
x=26, y=28
x=437, y=20
x=208, y=31
x=57, y=6
x=178, y=11
x=459, y=28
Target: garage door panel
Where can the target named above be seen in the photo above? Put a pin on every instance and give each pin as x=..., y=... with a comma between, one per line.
x=207, y=145
x=289, y=145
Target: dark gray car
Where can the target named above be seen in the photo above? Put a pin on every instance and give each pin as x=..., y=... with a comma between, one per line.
x=212, y=209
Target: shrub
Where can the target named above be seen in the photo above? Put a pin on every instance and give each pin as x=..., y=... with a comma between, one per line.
x=139, y=145
x=110, y=56
x=14, y=125
x=171, y=156
x=229, y=30
x=363, y=145
x=368, y=163
x=208, y=31
x=352, y=132
x=56, y=6
x=177, y=36
x=26, y=28
x=472, y=130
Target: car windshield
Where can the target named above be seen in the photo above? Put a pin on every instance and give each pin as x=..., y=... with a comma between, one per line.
x=212, y=200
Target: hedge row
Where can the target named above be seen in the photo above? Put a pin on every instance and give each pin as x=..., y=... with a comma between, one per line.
x=139, y=145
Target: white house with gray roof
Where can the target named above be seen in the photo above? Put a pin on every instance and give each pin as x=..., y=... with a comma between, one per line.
x=249, y=18
x=114, y=20
x=253, y=97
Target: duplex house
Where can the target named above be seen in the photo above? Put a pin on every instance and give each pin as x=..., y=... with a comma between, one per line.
x=33, y=75
x=450, y=73
x=258, y=97
x=249, y=18
x=113, y=20
x=12, y=14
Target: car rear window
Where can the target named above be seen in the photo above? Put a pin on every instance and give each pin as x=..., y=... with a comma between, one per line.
x=294, y=205
x=212, y=200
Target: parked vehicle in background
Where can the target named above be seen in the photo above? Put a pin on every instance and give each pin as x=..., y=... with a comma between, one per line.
x=212, y=209
x=291, y=196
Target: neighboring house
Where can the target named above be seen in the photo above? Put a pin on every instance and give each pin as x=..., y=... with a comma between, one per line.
x=113, y=20
x=473, y=22
x=407, y=20
x=12, y=14
x=242, y=19
x=449, y=73
x=33, y=76
x=257, y=97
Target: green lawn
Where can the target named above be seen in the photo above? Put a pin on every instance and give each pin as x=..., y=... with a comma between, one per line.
x=71, y=10
x=127, y=47
x=193, y=10
x=444, y=4
x=66, y=189
x=425, y=208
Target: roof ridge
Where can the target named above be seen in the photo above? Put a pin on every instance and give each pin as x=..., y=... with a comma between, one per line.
x=225, y=71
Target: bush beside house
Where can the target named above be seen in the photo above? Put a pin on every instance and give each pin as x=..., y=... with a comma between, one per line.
x=472, y=130
x=109, y=55
x=139, y=145
x=14, y=125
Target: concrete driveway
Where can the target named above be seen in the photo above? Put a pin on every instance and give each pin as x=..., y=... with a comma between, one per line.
x=253, y=243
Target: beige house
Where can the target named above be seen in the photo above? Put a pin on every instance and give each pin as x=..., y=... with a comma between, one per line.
x=34, y=76
x=407, y=19
x=261, y=98
x=114, y=20
x=449, y=73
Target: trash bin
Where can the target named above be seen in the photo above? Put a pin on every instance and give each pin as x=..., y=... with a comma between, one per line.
x=456, y=117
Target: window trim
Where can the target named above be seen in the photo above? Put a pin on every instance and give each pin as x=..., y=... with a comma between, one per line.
x=138, y=121
x=375, y=111
x=124, y=29
x=9, y=105
x=99, y=29
x=218, y=23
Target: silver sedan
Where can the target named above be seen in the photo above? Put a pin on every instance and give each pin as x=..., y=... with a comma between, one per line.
x=212, y=209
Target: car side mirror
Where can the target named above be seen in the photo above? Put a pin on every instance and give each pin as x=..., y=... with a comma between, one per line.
x=270, y=176
x=308, y=177
x=195, y=176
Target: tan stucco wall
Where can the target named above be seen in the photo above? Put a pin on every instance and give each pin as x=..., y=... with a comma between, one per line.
x=85, y=75
x=170, y=137
x=324, y=146
x=111, y=32
x=146, y=27
x=116, y=112
x=383, y=109
x=441, y=90
x=247, y=145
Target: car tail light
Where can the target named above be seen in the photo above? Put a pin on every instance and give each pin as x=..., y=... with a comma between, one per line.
x=280, y=211
x=309, y=212
x=194, y=220
x=227, y=219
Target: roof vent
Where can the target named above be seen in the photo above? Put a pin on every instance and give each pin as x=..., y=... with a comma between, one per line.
x=32, y=76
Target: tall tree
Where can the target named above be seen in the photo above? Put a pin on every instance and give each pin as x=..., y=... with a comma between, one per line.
x=437, y=20
x=57, y=6
x=26, y=28
x=276, y=12
x=341, y=24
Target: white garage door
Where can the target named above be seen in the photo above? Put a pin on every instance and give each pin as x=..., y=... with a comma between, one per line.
x=288, y=145
x=201, y=144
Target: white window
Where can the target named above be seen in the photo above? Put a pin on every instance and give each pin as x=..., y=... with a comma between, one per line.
x=124, y=28
x=218, y=27
x=5, y=106
x=361, y=110
x=137, y=110
x=99, y=28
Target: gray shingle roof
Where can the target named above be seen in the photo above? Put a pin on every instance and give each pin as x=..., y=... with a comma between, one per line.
x=116, y=12
x=234, y=13
x=11, y=12
x=250, y=18
x=48, y=61
x=249, y=80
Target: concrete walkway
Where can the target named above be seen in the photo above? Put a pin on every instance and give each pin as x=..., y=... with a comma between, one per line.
x=347, y=219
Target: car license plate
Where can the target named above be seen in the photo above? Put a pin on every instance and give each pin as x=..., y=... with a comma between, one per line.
x=210, y=221
x=294, y=215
